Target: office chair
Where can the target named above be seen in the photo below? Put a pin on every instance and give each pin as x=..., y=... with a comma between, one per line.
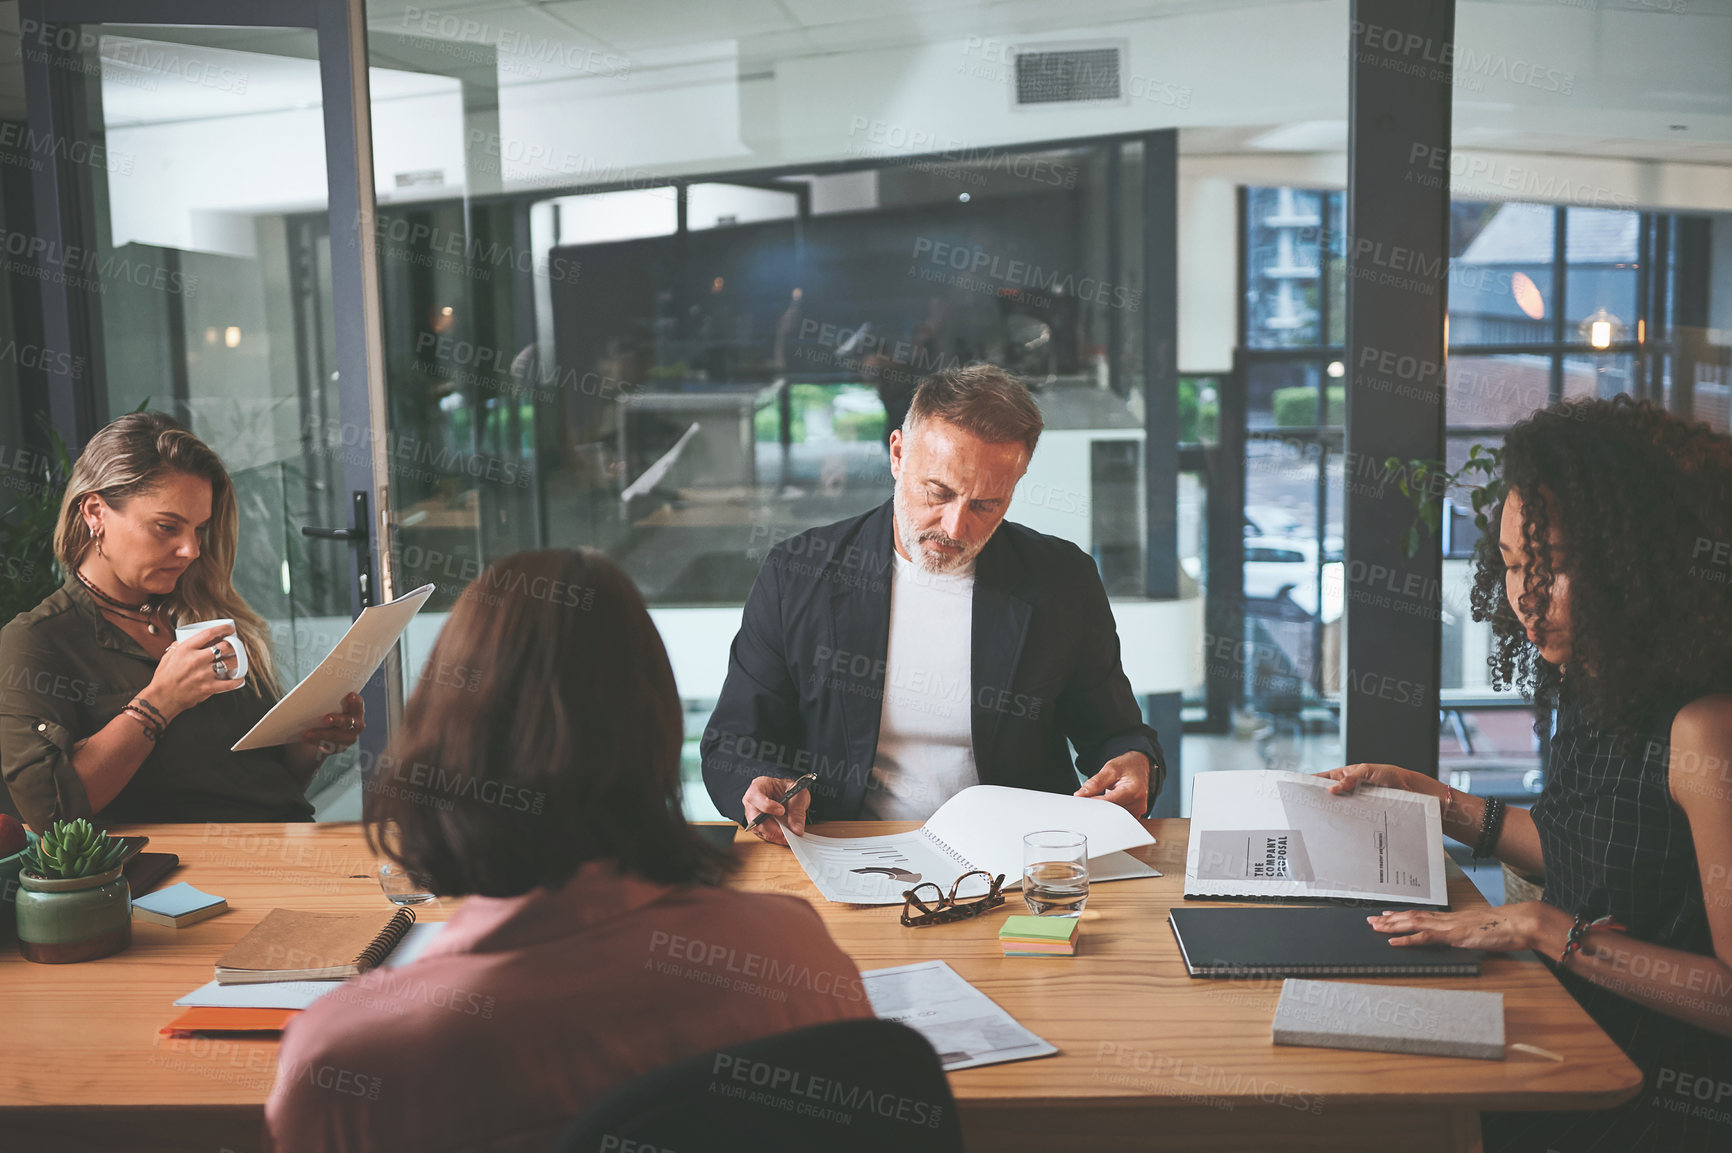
x=846, y=1087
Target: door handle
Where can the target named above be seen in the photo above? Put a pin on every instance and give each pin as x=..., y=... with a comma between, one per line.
x=359, y=535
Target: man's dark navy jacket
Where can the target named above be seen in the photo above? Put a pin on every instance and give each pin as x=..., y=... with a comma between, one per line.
x=805, y=685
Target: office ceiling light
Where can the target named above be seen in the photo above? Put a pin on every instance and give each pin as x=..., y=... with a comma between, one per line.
x=232, y=336
x=963, y=196
x=1337, y=369
x=211, y=336
x=1527, y=296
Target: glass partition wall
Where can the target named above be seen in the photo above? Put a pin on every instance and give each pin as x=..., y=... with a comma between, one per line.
x=208, y=267
x=709, y=385
x=660, y=281
x=678, y=279
x=718, y=364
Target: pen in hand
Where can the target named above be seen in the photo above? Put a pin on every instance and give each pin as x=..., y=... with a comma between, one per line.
x=799, y=786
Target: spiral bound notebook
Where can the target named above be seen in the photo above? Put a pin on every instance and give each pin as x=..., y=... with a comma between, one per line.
x=293, y=946
x=1303, y=941
x=979, y=828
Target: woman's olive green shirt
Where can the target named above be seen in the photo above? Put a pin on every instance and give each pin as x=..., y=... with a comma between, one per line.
x=66, y=671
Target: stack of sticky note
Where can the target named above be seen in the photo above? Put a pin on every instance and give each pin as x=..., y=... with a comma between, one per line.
x=1039, y=936
x=177, y=906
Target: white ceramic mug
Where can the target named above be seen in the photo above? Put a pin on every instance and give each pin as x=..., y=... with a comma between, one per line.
x=238, y=669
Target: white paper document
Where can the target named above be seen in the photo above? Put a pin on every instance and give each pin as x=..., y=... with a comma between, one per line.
x=1284, y=836
x=349, y=666
x=300, y=994
x=964, y=1025
x=979, y=828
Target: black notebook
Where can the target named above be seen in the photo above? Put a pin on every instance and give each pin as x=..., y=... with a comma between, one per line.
x=1304, y=941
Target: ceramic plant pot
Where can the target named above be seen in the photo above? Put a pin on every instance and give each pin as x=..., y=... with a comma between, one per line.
x=67, y=919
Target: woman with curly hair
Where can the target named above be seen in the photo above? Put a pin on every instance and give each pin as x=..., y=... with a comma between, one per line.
x=1607, y=589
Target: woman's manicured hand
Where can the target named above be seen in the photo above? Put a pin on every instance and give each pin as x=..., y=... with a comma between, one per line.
x=186, y=673
x=1500, y=928
x=1350, y=777
x=338, y=731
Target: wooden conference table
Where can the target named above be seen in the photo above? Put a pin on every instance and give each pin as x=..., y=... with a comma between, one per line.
x=1148, y=1057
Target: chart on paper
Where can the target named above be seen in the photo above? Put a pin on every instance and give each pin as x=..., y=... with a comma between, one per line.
x=877, y=870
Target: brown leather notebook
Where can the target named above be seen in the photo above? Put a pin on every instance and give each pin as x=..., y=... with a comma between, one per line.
x=294, y=946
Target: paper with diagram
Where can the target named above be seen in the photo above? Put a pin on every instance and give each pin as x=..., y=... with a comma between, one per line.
x=979, y=828
x=347, y=667
x=1284, y=836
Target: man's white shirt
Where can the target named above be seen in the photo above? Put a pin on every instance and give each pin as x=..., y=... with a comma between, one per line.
x=925, y=736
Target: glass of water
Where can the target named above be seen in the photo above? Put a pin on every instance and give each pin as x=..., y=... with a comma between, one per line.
x=403, y=887
x=1055, y=872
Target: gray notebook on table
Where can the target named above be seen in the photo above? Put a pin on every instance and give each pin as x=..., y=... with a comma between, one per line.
x=1390, y=1019
x=1304, y=941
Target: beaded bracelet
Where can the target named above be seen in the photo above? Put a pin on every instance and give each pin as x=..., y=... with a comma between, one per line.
x=1577, y=931
x=151, y=730
x=1490, y=825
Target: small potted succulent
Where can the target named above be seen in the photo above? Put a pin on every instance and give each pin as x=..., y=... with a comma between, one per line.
x=74, y=903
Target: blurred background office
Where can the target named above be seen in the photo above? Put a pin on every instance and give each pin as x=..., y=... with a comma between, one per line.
x=652, y=274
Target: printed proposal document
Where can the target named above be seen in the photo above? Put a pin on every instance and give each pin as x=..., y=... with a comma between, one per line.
x=1285, y=837
x=349, y=666
x=965, y=1026
x=979, y=828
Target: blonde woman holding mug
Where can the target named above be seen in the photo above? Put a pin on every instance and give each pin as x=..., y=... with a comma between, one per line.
x=102, y=711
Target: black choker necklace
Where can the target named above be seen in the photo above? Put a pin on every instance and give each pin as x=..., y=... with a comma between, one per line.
x=150, y=607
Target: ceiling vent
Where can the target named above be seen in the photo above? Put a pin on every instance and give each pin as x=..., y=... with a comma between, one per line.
x=1069, y=75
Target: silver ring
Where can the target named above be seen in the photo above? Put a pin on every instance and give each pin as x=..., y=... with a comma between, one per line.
x=353, y=725
x=221, y=668
x=216, y=652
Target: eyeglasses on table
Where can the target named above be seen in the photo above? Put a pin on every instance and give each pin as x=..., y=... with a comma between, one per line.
x=945, y=909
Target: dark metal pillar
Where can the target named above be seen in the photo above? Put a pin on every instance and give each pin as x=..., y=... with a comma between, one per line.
x=342, y=33
x=1397, y=296
x=1689, y=311
x=1161, y=419
x=58, y=93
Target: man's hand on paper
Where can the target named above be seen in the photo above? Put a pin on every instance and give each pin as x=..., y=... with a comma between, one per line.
x=764, y=796
x=1124, y=781
x=1501, y=928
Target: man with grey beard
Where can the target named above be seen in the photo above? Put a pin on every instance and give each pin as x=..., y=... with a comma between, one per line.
x=929, y=645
